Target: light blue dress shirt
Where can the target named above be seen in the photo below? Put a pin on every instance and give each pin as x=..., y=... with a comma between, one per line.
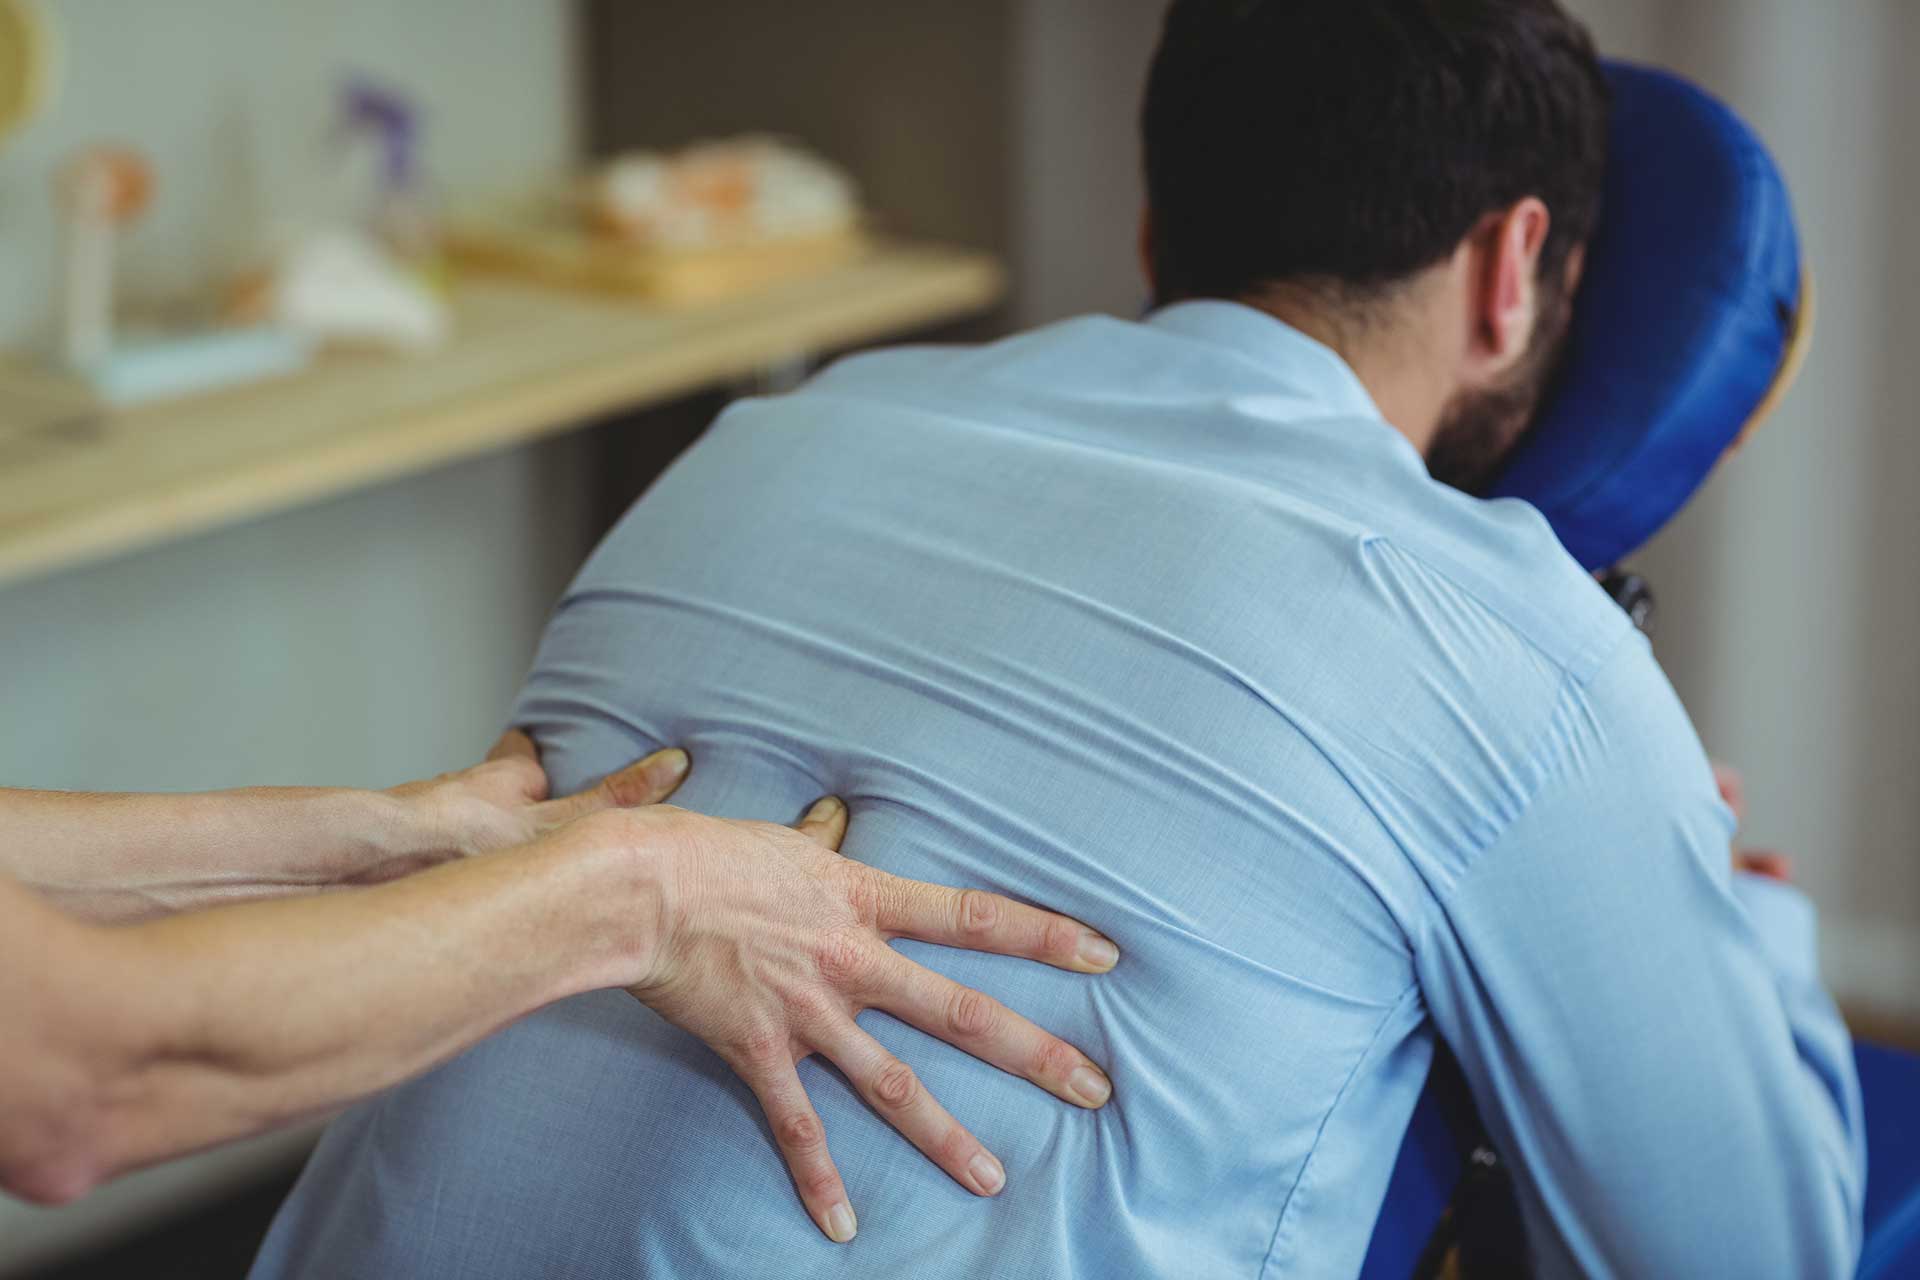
x=1158, y=624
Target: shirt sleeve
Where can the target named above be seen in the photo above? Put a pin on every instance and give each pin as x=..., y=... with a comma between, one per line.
x=1645, y=1033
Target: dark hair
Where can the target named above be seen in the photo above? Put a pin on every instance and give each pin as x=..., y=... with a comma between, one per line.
x=1351, y=143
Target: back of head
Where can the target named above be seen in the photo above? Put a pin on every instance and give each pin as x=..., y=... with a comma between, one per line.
x=1344, y=145
x=1354, y=142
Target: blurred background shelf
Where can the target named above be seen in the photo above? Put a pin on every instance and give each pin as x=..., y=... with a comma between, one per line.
x=526, y=362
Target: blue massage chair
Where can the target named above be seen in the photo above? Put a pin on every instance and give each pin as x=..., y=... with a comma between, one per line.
x=1693, y=317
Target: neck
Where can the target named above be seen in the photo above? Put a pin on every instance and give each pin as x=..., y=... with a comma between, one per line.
x=1395, y=360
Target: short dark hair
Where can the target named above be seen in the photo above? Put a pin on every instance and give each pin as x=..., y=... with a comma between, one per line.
x=1352, y=143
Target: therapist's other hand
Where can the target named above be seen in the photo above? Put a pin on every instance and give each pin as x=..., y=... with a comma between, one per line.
x=505, y=802
x=1765, y=863
x=772, y=943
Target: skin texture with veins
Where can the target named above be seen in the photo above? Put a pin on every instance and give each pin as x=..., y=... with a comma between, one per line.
x=179, y=981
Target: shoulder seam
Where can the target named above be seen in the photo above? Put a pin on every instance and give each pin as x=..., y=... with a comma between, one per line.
x=1542, y=763
x=1581, y=665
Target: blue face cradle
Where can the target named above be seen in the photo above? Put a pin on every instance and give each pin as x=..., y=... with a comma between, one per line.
x=1687, y=319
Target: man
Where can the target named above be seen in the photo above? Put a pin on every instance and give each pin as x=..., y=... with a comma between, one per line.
x=1172, y=624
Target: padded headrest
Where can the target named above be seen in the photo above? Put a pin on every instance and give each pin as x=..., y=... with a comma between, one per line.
x=1688, y=317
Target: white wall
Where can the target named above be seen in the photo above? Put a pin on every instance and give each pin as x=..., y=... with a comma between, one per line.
x=1081, y=66
x=232, y=99
x=1789, y=591
x=366, y=640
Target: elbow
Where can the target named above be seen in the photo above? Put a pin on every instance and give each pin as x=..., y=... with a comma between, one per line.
x=69, y=1080
x=1827, y=1195
x=51, y=1148
x=1802, y=1241
x=1836, y=1233
x=1819, y=1247
x=50, y=1179
x=1816, y=1231
x=49, y=1187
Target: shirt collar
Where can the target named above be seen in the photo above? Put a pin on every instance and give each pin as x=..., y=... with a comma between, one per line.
x=1275, y=346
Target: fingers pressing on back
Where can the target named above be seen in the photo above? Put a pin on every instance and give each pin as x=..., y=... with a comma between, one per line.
x=981, y=921
x=803, y=1144
x=515, y=744
x=825, y=823
x=890, y=1087
x=644, y=782
x=991, y=1032
x=520, y=750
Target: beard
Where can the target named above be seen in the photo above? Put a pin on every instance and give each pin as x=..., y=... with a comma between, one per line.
x=1480, y=428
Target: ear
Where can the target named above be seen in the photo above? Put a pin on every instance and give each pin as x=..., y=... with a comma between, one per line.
x=1505, y=297
x=1576, y=271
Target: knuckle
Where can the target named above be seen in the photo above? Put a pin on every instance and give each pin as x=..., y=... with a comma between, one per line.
x=863, y=896
x=843, y=958
x=955, y=1147
x=523, y=771
x=971, y=1014
x=1056, y=1059
x=979, y=913
x=1061, y=939
x=895, y=1086
x=806, y=1009
x=801, y=1134
x=821, y=1184
x=762, y=1047
x=627, y=789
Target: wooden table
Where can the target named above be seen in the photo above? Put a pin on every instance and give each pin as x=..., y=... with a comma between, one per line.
x=527, y=362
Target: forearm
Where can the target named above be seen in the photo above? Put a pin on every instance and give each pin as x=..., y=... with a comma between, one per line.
x=124, y=857
x=210, y=1026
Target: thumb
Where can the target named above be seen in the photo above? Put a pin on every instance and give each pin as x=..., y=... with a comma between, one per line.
x=1733, y=790
x=644, y=782
x=1764, y=863
x=825, y=823
x=514, y=744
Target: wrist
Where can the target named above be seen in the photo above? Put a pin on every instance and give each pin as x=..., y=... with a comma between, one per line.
x=402, y=829
x=612, y=870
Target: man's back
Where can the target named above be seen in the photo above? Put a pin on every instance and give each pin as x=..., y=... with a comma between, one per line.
x=1157, y=625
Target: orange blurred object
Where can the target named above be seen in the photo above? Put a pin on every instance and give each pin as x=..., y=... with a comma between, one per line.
x=714, y=195
x=110, y=182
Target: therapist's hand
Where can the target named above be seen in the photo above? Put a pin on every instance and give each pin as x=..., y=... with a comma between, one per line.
x=1764, y=863
x=770, y=944
x=122, y=858
x=503, y=803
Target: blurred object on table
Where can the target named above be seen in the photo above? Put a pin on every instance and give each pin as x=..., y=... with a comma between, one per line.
x=102, y=192
x=383, y=125
x=365, y=267
x=718, y=195
x=714, y=219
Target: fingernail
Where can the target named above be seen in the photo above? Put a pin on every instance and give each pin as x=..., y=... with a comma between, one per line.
x=1097, y=953
x=841, y=1224
x=987, y=1173
x=672, y=763
x=1089, y=1086
x=825, y=809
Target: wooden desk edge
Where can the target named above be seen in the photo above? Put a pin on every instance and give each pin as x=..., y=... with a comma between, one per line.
x=955, y=286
